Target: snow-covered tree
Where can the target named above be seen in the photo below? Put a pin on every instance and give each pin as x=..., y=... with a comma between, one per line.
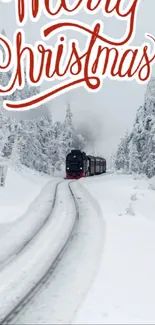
x=134, y=159
x=70, y=139
x=122, y=154
x=68, y=133
x=14, y=159
x=10, y=130
x=142, y=138
x=38, y=143
x=45, y=137
x=4, y=130
x=29, y=145
x=57, y=149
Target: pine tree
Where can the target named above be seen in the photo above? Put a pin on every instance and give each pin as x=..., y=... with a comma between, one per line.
x=68, y=134
x=14, y=159
x=122, y=154
x=29, y=146
x=4, y=131
x=134, y=161
x=142, y=138
x=9, y=137
x=57, y=152
x=45, y=138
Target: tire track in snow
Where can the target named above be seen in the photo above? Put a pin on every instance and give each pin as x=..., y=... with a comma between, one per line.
x=9, y=317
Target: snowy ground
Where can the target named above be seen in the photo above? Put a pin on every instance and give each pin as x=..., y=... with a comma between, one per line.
x=16, y=197
x=17, y=278
x=20, y=190
x=107, y=274
x=124, y=290
x=58, y=301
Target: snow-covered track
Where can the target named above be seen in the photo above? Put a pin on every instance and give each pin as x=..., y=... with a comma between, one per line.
x=10, y=316
x=14, y=252
x=58, y=301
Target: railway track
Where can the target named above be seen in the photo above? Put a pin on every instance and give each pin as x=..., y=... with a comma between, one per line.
x=28, y=241
x=9, y=318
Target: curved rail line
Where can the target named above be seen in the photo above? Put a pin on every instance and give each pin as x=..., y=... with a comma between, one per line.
x=15, y=311
x=18, y=252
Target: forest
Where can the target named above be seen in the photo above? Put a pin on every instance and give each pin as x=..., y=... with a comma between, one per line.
x=36, y=143
x=136, y=150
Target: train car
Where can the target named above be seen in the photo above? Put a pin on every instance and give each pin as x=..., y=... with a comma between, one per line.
x=91, y=165
x=100, y=165
x=78, y=165
x=104, y=165
x=97, y=165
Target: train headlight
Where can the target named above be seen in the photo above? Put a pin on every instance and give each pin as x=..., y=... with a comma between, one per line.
x=80, y=167
x=67, y=168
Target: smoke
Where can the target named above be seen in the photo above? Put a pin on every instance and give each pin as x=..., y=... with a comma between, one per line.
x=91, y=128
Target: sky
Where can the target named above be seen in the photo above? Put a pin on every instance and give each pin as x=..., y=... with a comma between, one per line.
x=107, y=114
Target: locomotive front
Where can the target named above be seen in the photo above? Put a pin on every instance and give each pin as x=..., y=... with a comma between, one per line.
x=76, y=164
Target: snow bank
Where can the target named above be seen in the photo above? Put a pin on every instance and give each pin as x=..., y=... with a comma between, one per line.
x=24, y=272
x=152, y=183
x=124, y=290
x=17, y=194
x=28, y=225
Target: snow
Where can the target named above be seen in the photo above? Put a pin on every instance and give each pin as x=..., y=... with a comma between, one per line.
x=28, y=224
x=41, y=252
x=124, y=289
x=152, y=183
x=16, y=197
x=18, y=193
x=106, y=275
x=58, y=301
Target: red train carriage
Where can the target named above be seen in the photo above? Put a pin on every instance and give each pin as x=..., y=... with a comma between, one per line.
x=78, y=165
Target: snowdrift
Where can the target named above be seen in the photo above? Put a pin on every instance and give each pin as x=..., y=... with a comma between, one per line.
x=19, y=192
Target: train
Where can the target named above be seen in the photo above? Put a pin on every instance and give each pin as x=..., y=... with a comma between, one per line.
x=78, y=165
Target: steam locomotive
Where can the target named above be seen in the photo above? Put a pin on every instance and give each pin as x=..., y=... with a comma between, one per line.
x=78, y=165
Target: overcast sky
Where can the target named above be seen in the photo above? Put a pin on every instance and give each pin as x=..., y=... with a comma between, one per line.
x=111, y=111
